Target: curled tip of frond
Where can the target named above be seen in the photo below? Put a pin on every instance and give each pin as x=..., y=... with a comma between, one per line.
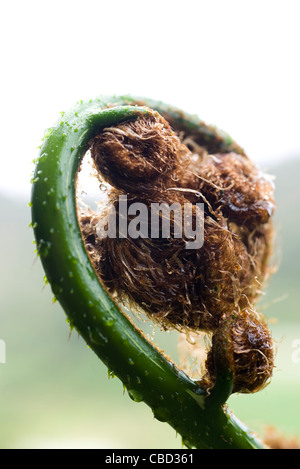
x=199, y=289
x=243, y=344
x=136, y=152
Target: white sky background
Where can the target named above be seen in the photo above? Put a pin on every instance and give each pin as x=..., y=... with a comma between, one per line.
x=235, y=63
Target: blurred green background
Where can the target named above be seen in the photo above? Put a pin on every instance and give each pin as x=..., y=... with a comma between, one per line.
x=54, y=391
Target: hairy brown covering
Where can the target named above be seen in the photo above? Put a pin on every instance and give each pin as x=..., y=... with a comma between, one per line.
x=136, y=153
x=248, y=350
x=198, y=289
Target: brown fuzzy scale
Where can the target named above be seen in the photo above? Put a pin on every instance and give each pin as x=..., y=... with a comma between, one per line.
x=249, y=351
x=146, y=160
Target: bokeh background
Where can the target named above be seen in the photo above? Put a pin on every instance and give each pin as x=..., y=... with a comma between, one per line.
x=236, y=65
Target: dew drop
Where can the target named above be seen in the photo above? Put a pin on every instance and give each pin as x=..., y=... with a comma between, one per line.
x=136, y=396
x=44, y=248
x=162, y=414
x=103, y=187
x=34, y=180
x=51, y=191
x=109, y=321
x=138, y=380
x=97, y=337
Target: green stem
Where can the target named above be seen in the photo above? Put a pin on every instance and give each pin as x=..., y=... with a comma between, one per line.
x=147, y=374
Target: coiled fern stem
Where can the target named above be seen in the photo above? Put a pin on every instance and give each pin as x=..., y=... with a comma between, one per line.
x=199, y=416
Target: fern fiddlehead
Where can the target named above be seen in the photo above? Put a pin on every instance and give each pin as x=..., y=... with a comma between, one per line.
x=241, y=357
